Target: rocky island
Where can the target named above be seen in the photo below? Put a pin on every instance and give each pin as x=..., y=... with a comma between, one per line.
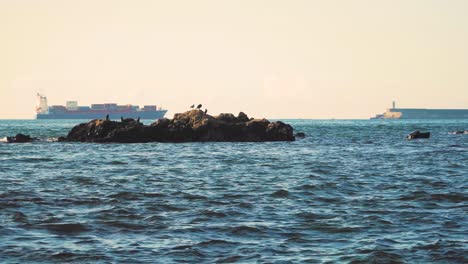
x=191, y=126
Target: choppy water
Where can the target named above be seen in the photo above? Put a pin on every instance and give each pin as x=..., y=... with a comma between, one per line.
x=351, y=191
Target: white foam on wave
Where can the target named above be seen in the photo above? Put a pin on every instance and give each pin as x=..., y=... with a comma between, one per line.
x=459, y=132
x=3, y=140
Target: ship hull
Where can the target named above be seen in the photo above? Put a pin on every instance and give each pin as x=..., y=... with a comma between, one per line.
x=419, y=113
x=102, y=115
x=432, y=113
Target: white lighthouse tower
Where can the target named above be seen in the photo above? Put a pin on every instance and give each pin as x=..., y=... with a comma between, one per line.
x=41, y=104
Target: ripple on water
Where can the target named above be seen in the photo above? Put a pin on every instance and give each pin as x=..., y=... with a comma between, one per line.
x=127, y=196
x=117, y=162
x=210, y=213
x=32, y=160
x=280, y=194
x=376, y=256
x=444, y=250
x=245, y=230
x=436, y=197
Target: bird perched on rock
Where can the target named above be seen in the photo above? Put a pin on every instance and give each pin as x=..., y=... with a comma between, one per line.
x=192, y=106
x=121, y=119
x=199, y=106
x=206, y=111
x=138, y=120
x=107, y=117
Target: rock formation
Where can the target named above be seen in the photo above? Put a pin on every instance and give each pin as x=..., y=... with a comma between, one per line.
x=20, y=138
x=300, y=135
x=417, y=134
x=191, y=126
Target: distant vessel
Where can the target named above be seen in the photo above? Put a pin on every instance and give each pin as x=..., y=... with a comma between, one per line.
x=421, y=113
x=73, y=111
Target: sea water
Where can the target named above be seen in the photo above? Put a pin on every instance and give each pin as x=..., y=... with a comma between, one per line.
x=351, y=191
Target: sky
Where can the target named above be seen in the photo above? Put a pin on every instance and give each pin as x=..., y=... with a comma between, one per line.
x=268, y=58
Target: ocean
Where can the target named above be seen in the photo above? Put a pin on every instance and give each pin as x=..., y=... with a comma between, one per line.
x=351, y=191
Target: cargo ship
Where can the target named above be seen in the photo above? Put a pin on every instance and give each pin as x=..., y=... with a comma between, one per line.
x=422, y=113
x=96, y=111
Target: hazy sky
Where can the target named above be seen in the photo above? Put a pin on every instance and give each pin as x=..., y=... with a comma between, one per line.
x=275, y=59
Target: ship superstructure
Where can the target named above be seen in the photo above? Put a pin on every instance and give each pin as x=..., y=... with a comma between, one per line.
x=422, y=113
x=71, y=110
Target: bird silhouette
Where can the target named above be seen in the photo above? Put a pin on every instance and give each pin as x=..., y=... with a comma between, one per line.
x=107, y=117
x=206, y=111
x=192, y=106
x=138, y=120
x=121, y=119
x=199, y=106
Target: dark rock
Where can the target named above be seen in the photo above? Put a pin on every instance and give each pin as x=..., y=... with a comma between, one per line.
x=417, y=134
x=242, y=117
x=279, y=131
x=129, y=120
x=163, y=122
x=20, y=138
x=300, y=135
x=190, y=126
x=229, y=118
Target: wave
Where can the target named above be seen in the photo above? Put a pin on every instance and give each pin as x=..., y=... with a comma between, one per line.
x=280, y=194
x=211, y=213
x=36, y=140
x=376, y=256
x=446, y=251
x=128, y=225
x=216, y=242
x=65, y=228
x=307, y=187
x=246, y=230
x=33, y=160
x=152, y=194
x=189, y=196
x=436, y=197
x=19, y=217
x=124, y=195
